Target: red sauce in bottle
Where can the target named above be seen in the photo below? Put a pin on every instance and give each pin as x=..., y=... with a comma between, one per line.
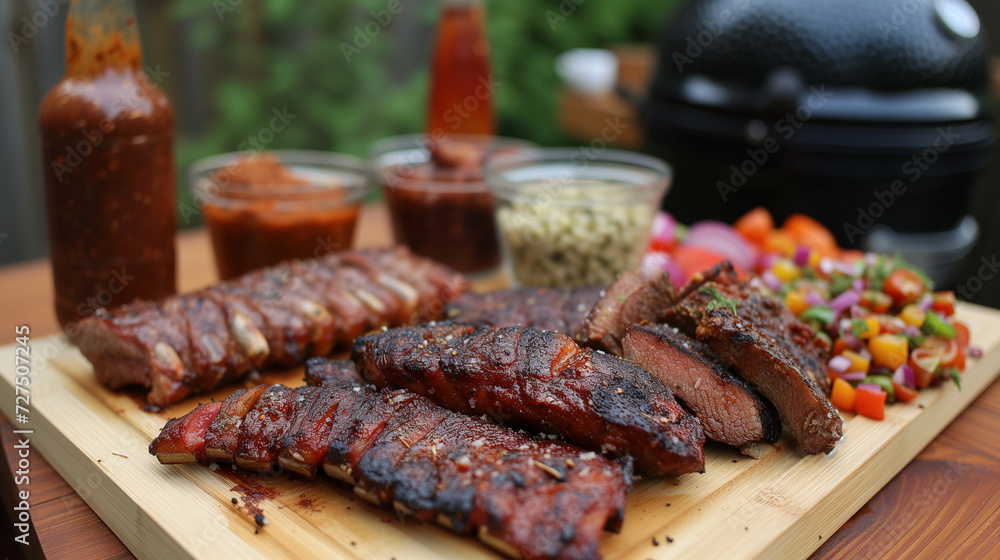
x=107, y=148
x=462, y=87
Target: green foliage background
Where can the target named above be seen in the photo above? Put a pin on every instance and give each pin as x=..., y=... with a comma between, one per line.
x=263, y=54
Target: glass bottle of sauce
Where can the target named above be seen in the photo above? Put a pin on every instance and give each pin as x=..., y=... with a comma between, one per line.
x=462, y=86
x=107, y=148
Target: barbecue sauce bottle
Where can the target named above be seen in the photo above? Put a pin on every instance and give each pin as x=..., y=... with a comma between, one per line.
x=462, y=87
x=107, y=148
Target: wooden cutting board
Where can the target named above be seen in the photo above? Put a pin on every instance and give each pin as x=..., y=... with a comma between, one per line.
x=780, y=506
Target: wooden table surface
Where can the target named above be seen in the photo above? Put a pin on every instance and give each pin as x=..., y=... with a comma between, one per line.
x=945, y=503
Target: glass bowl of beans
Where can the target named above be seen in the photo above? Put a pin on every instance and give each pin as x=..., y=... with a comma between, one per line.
x=574, y=216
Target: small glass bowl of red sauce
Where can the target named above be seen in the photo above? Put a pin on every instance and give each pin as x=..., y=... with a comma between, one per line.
x=262, y=208
x=439, y=203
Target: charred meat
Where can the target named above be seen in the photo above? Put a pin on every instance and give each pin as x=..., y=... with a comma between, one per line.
x=278, y=316
x=527, y=498
x=773, y=370
x=551, y=309
x=729, y=409
x=539, y=381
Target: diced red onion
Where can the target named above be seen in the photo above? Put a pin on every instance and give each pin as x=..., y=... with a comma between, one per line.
x=801, y=256
x=655, y=263
x=845, y=300
x=911, y=331
x=854, y=376
x=925, y=302
x=771, y=280
x=724, y=240
x=845, y=268
x=839, y=364
x=857, y=311
x=858, y=284
x=871, y=259
x=664, y=227
x=814, y=299
x=826, y=266
x=864, y=352
x=904, y=375
x=974, y=352
x=874, y=387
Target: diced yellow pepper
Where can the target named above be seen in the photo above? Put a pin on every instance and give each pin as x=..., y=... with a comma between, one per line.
x=889, y=350
x=858, y=362
x=912, y=315
x=872, y=329
x=785, y=270
x=796, y=302
x=842, y=395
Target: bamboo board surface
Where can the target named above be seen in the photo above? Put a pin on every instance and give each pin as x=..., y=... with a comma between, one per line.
x=780, y=506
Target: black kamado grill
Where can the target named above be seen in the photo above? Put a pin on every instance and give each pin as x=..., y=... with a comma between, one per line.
x=872, y=116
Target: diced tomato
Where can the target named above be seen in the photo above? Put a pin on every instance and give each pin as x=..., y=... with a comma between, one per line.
x=944, y=303
x=904, y=286
x=961, y=334
x=695, y=259
x=870, y=403
x=661, y=246
x=842, y=395
x=890, y=324
x=904, y=393
x=755, y=225
x=839, y=346
x=877, y=302
x=812, y=234
x=925, y=363
x=951, y=352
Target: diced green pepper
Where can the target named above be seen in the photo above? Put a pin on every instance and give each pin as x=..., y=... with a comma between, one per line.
x=936, y=326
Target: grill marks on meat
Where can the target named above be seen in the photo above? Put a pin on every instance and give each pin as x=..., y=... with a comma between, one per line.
x=772, y=370
x=729, y=409
x=551, y=309
x=279, y=316
x=527, y=498
x=543, y=382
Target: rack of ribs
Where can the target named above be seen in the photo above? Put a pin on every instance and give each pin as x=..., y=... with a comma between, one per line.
x=527, y=498
x=540, y=381
x=275, y=317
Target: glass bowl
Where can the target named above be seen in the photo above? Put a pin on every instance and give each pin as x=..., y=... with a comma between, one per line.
x=439, y=203
x=262, y=208
x=571, y=217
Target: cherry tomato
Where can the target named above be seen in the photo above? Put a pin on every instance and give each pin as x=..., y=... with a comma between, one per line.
x=951, y=352
x=961, y=334
x=661, y=246
x=904, y=393
x=755, y=225
x=904, y=286
x=925, y=363
x=944, y=303
x=877, y=302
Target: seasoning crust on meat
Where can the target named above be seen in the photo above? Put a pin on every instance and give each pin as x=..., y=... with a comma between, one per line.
x=527, y=498
x=275, y=317
x=543, y=382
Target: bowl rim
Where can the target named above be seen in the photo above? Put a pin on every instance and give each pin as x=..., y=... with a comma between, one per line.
x=496, y=166
x=355, y=169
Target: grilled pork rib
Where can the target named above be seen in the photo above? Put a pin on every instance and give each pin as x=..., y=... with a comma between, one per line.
x=278, y=316
x=729, y=409
x=527, y=498
x=539, y=381
x=552, y=309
